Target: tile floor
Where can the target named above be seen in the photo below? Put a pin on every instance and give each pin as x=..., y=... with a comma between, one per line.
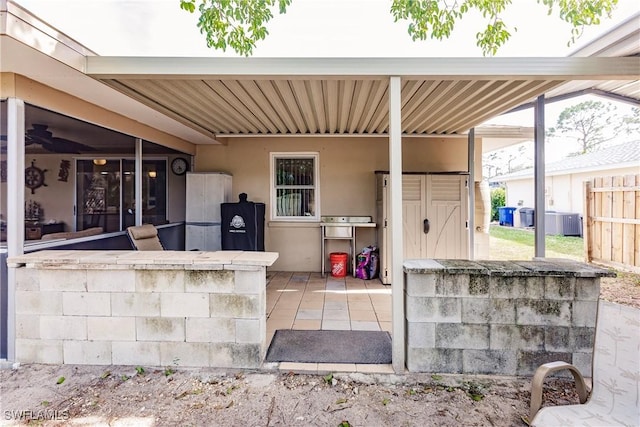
x=310, y=301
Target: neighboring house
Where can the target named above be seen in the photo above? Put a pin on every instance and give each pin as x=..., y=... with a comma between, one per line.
x=95, y=139
x=565, y=178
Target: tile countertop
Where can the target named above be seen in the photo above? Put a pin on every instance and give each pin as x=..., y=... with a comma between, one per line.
x=60, y=259
x=535, y=267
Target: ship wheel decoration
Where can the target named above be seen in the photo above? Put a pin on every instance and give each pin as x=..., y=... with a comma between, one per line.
x=34, y=177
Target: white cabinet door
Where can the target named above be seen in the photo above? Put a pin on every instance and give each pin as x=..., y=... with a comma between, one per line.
x=434, y=218
x=413, y=212
x=446, y=210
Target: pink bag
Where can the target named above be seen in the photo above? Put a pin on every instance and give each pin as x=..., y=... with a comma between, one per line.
x=367, y=263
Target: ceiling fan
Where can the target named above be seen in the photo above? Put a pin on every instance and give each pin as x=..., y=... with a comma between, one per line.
x=43, y=137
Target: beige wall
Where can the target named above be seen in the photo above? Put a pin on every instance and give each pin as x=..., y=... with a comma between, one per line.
x=347, y=182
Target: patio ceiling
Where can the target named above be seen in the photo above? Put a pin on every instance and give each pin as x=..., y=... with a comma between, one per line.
x=319, y=96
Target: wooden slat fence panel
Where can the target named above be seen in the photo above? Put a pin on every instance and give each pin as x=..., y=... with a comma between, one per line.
x=612, y=221
x=607, y=202
x=629, y=244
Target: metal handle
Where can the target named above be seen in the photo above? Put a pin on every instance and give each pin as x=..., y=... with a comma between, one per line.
x=426, y=226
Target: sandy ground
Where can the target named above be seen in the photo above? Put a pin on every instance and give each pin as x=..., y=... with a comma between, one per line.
x=130, y=396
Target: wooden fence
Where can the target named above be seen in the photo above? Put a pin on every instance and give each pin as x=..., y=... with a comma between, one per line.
x=612, y=221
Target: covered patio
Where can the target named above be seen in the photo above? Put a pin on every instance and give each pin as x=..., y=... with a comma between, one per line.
x=360, y=115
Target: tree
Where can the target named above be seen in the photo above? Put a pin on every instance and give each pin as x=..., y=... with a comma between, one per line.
x=589, y=123
x=498, y=200
x=436, y=19
x=631, y=123
x=239, y=24
x=235, y=23
x=507, y=160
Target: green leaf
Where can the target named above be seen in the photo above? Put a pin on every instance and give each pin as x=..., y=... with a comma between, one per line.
x=341, y=401
x=188, y=5
x=60, y=380
x=139, y=370
x=105, y=374
x=240, y=24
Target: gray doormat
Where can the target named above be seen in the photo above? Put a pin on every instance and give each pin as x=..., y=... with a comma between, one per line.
x=330, y=347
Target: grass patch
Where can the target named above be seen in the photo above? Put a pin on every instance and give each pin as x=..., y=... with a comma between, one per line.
x=566, y=245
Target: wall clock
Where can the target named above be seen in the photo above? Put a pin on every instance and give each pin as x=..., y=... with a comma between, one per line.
x=179, y=166
x=34, y=177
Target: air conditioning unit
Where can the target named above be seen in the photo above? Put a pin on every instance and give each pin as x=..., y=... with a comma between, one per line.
x=563, y=223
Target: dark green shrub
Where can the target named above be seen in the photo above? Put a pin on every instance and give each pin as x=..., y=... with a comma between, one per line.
x=497, y=200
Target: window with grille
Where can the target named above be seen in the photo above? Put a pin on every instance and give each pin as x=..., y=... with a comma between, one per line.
x=294, y=186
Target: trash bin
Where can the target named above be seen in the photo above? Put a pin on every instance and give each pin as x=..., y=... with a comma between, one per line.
x=505, y=215
x=527, y=218
x=338, y=261
x=242, y=225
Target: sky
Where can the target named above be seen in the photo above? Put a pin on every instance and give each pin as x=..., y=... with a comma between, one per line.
x=319, y=28
x=310, y=28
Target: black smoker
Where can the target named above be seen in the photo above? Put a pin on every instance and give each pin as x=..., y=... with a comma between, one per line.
x=242, y=225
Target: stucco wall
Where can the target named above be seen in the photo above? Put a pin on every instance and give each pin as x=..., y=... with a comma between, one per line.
x=563, y=192
x=347, y=182
x=520, y=190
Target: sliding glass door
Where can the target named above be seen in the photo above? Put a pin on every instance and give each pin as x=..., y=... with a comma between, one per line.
x=105, y=193
x=154, y=192
x=98, y=194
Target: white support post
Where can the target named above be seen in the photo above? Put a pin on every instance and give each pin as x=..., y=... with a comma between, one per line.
x=539, y=180
x=15, y=208
x=138, y=181
x=471, y=185
x=395, y=229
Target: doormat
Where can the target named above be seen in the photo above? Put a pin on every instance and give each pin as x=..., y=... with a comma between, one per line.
x=305, y=346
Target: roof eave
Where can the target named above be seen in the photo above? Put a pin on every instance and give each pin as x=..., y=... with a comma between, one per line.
x=115, y=67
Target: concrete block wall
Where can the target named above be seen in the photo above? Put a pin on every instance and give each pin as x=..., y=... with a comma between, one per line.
x=135, y=314
x=499, y=318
